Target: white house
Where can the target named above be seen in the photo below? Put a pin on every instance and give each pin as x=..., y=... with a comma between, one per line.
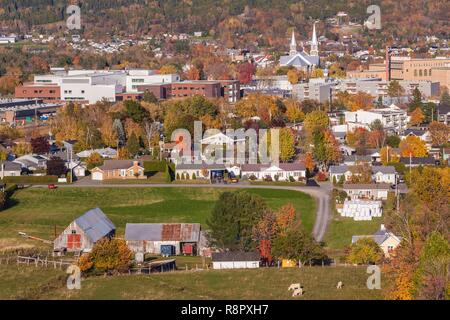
x=384, y=238
x=380, y=174
x=235, y=260
x=32, y=162
x=136, y=78
x=282, y=171
x=375, y=191
x=10, y=169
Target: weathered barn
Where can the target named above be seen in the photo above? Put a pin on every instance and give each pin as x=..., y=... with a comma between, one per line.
x=85, y=231
x=163, y=238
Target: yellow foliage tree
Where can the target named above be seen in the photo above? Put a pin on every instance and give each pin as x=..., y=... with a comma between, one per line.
x=388, y=155
x=417, y=117
x=412, y=146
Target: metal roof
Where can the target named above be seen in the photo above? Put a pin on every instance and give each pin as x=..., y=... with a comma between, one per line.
x=95, y=224
x=184, y=232
x=235, y=256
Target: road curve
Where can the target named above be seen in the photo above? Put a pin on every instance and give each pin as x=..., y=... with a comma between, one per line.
x=323, y=214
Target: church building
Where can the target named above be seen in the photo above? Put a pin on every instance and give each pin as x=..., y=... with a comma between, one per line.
x=301, y=59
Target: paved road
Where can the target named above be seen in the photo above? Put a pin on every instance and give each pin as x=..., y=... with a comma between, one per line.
x=321, y=194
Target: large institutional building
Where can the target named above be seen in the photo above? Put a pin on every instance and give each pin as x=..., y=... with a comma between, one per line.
x=300, y=59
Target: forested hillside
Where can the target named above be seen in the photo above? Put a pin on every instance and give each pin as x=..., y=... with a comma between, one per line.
x=224, y=19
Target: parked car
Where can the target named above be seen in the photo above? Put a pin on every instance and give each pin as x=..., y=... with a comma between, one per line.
x=52, y=186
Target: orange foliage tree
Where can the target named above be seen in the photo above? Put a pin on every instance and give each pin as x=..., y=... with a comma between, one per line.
x=413, y=146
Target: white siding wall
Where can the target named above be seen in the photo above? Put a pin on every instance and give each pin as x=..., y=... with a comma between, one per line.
x=235, y=264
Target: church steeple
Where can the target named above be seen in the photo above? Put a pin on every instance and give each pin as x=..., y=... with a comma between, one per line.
x=314, y=43
x=293, y=45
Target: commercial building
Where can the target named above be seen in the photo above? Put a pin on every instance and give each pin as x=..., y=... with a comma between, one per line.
x=136, y=78
x=21, y=111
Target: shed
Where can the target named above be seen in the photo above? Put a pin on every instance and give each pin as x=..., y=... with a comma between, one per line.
x=235, y=260
x=150, y=237
x=85, y=231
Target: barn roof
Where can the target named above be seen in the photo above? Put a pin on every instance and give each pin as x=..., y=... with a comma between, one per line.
x=184, y=232
x=235, y=256
x=95, y=224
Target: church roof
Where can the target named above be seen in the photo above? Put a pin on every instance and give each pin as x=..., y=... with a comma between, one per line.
x=300, y=59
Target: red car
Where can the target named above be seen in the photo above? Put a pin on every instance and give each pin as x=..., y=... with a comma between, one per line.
x=52, y=186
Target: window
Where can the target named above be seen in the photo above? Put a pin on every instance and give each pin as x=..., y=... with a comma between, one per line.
x=415, y=72
x=429, y=72
x=74, y=231
x=425, y=72
x=82, y=91
x=123, y=172
x=420, y=73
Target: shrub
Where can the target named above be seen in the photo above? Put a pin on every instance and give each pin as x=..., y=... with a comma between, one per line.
x=268, y=178
x=155, y=166
x=194, y=177
x=364, y=251
x=252, y=177
x=31, y=179
x=178, y=176
x=321, y=176
x=276, y=177
x=291, y=179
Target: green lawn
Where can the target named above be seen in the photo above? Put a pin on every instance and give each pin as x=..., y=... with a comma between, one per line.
x=264, y=283
x=341, y=229
x=38, y=210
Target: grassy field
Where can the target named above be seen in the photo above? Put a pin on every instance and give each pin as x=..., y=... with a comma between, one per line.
x=341, y=229
x=38, y=210
x=318, y=283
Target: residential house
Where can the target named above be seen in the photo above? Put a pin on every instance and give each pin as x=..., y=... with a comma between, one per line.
x=418, y=161
x=281, y=171
x=424, y=135
x=380, y=174
x=106, y=153
x=446, y=155
x=355, y=159
x=384, y=238
x=375, y=191
x=235, y=260
x=119, y=169
x=10, y=169
x=155, y=238
x=186, y=171
x=32, y=162
x=85, y=231
x=443, y=112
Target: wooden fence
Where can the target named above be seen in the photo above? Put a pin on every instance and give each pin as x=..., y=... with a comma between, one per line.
x=36, y=261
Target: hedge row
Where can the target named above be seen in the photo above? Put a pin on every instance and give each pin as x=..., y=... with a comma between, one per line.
x=31, y=179
x=155, y=166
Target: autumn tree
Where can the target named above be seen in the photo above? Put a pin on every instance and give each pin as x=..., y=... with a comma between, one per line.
x=316, y=121
x=292, y=76
x=246, y=72
x=388, y=155
x=294, y=112
x=439, y=133
x=56, y=166
x=168, y=69
x=360, y=100
x=94, y=160
x=416, y=117
x=412, y=146
x=364, y=251
x=107, y=255
x=287, y=144
x=40, y=145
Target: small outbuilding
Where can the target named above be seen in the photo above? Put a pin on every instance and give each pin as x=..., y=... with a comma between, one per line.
x=84, y=232
x=163, y=238
x=235, y=260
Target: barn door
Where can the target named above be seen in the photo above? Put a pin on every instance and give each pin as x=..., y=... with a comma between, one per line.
x=73, y=241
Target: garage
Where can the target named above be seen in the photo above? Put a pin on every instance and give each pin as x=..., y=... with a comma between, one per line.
x=97, y=175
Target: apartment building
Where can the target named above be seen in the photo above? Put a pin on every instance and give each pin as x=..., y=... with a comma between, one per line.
x=405, y=68
x=379, y=88
x=319, y=89
x=393, y=118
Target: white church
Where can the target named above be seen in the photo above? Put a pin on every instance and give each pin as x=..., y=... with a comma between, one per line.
x=301, y=59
